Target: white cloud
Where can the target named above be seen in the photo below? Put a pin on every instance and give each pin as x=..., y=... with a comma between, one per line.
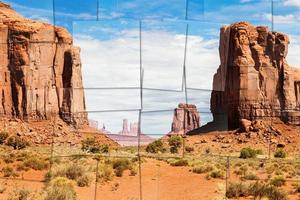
x=292, y=3
x=282, y=19
x=114, y=62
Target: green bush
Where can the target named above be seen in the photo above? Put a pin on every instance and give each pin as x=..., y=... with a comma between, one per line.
x=249, y=153
x=175, y=142
x=36, y=163
x=73, y=171
x=84, y=180
x=91, y=145
x=180, y=162
x=105, y=173
x=60, y=188
x=155, y=147
x=242, y=170
x=202, y=169
x=280, y=153
x=250, y=176
x=17, y=142
x=216, y=174
x=237, y=190
x=259, y=191
x=276, y=194
x=120, y=165
x=3, y=137
x=278, y=181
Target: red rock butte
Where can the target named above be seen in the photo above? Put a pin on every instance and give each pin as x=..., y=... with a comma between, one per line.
x=254, y=80
x=40, y=71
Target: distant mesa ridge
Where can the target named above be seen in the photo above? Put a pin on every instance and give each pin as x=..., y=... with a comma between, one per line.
x=40, y=70
x=254, y=80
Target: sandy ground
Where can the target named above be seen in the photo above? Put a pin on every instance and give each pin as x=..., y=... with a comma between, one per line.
x=159, y=181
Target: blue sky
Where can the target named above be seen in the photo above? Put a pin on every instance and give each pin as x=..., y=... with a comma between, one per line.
x=111, y=49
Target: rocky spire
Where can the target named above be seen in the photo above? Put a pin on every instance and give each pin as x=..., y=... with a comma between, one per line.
x=186, y=118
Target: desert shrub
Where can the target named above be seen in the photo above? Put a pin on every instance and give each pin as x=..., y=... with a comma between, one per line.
x=250, y=176
x=21, y=194
x=249, y=153
x=120, y=165
x=180, y=162
x=202, y=169
x=22, y=167
x=242, y=170
x=280, y=153
x=8, y=158
x=278, y=181
x=155, y=147
x=91, y=145
x=259, y=190
x=36, y=163
x=216, y=174
x=276, y=194
x=175, y=142
x=237, y=190
x=105, y=173
x=17, y=142
x=84, y=180
x=189, y=149
x=60, y=188
x=8, y=172
x=133, y=170
x=74, y=171
x=297, y=187
x=3, y=137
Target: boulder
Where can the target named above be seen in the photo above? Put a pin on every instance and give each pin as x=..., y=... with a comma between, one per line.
x=245, y=125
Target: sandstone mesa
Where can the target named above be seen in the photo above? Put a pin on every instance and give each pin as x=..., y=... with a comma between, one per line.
x=40, y=71
x=254, y=80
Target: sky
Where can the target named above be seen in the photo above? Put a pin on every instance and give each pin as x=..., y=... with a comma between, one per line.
x=171, y=34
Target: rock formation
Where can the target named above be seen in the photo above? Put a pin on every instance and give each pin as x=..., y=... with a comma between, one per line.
x=254, y=80
x=186, y=118
x=133, y=131
x=40, y=71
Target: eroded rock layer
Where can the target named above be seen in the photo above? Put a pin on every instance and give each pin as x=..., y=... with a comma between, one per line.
x=254, y=80
x=185, y=119
x=40, y=70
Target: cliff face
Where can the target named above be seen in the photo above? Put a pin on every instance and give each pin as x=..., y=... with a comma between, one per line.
x=186, y=118
x=40, y=70
x=254, y=80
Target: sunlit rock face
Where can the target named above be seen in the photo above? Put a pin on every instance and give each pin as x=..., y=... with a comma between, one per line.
x=185, y=119
x=254, y=80
x=40, y=71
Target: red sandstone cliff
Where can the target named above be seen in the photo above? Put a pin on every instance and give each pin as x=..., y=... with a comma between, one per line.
x=40, y=70
x=185, y=119
x=254, y=80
